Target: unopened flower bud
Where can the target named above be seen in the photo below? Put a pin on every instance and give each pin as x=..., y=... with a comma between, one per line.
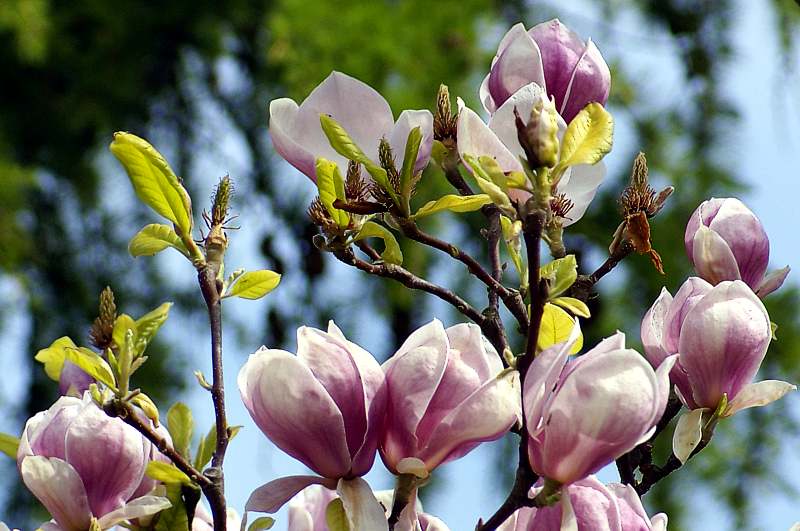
x=539, y=137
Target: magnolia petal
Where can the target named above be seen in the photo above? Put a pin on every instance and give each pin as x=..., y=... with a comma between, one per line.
x=60, y=489
x=412, y=465
x=712, y=257
x=362, y=509
x=758, y=394
x=689, y=294
x=580, y=186
x=282, y=117
x=144, y=506
x=659, y=522
x=431, y=523
x=739, y=227
x=590, y=82
x=569, y=521
x=652, y=330
x=517, y=64
x=270, y=497
x=662, y=375
x=772, y=281
x=475, y=138
x=503, y=124
x=688, y=432
x=407, y=121
x=475, y=350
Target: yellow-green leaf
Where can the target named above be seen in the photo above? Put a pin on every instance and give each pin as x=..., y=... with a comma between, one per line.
x=53, y=357
x=493, y=171
x=166, y=473
x=147, y=405
x=576, y=307
x=181, y=426
x=454, y=203
x=9, y=445
x=153, y=180
x=331, y=188
x=123, y=323
x=588, y=137
x=495, y=192
x=512, y=231
x=153, y=239
x=148, y=324
x=391, y=252
x=205, y=449
x=413, y=142
x=92, y=364
x=259, y=524
x=561, y=274
x=773, y=327
x=254, y=284
x=555, y=328
x=336, y=517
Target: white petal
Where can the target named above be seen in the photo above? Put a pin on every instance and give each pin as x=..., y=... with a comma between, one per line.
x=758, y=394
x=580, y=185
x=688, y=433
x=144, y=506
x=57, y=485
x=476, y=139
x=362, y=509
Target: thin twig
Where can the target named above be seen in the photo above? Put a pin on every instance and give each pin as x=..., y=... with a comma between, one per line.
x=412, y=281
x=493, y=235
x=518, y=497
x=653, y=474
x=582, y=287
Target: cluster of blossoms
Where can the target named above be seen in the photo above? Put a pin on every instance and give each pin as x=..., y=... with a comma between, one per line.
x=333, y=407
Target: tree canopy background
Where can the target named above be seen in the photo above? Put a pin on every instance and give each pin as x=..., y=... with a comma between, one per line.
x=195, y=76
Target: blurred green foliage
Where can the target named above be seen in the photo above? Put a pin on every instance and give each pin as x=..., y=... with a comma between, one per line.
x=75, y=72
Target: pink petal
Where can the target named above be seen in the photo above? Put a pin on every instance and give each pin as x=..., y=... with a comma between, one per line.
x=282, y=126
x=476, y=139
x=517, y=64
x=60, y=489
x=475, y=349
x=270, y=497
x=652, y=330
x=407, y=121
x=745, y=236
x=712, y=257
x=772, y=281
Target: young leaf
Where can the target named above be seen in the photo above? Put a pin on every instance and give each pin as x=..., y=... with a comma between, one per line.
x=254, y=284
x=493, y=171
x=123, y=323
x=561, y=273
x=153, y=180
x=453, y=203
x=555, y=328
x=153, y=239
x=206, y=448
x=92, y=364
x=181, y=426
x=174, y=518
x=9, y=445
x=147, y=405
x=588, y=138
x=409, y=160
x=336, y=517
x=331, y=188
x=576, y=307
x=495, y=192
x=512, y=231
x=147, y=326
x=167, y=473
x=53, y=357
x=264, y=522
x=391, y=252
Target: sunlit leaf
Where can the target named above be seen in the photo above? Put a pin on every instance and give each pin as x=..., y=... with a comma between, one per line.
x=153, y=239
x=574, y=306
x=9, y=445
x=453, y=203
x=180, y=424
x=336, y=517
x=167, y=473
x=561, y=274
x=331, y=188
x=92, y=364
x=588, y=137
x=391, y=253
x=555, y=328
x=53, y=357
x=254, y=284
x=264, y=522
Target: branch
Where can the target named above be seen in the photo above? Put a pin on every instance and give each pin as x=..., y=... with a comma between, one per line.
x=412, y=281
x=493, y=235
x=584, y=284
x=653, y=474
x=511, y=298
x=216, y=492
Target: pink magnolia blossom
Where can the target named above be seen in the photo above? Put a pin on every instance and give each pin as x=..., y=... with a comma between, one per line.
x=556, y=59
x=594, y=506
x=447, y=394
x=84, y=465
x=298, y=137
x=498, y=139
x=324, y=406
x=726, y=241
x=721, y=334
x=583, y=414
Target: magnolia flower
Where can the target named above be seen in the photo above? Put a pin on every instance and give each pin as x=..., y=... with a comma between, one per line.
x=556, y=59
x=721, y=334
x=592, y=506
x=148, y=484
x=584, y=414
x=447, y=393
x=298, y=137
x=726, y=241
x=499, y=140
x=73, y=380
x=324, y=407
x=84, y=465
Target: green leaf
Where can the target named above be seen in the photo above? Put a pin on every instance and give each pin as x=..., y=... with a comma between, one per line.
x=493, y=171
x=264, y=522
x=123, y=323
x=336, y=517
x=167, y=473
x=153, y=180
x=561, y=273
x=181, y=426
x=555, y=328
x=588, y=138
x=153, y=239
x=53, y=357
x=409, y=160
x=9, y=445
x=174, y=518
x=576, y=307
x=331, y=188
x=205, y=450
x=342, y=143
x=92, y=364
x=439, y=152
x=147, y=405
x=454, y=203
x=254, y=284
x=773, y=327
x=391, y=252
x=512, y=231
x=496, y=193
x=147, y=326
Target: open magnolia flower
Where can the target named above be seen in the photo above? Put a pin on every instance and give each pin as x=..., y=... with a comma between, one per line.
x=721, y=334
x=85, y=466
x=555, y=58
x=583, y=414
x=447, y=393
x=325, y=407
x=499, y=139
x=366, y=116
x=588, y=504
x=726, y=241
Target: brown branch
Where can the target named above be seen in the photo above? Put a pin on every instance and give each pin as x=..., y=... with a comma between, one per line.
x=454, y=177
x=582, y=287
x=494, y=233
x=412, y=281
x=653, y=474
